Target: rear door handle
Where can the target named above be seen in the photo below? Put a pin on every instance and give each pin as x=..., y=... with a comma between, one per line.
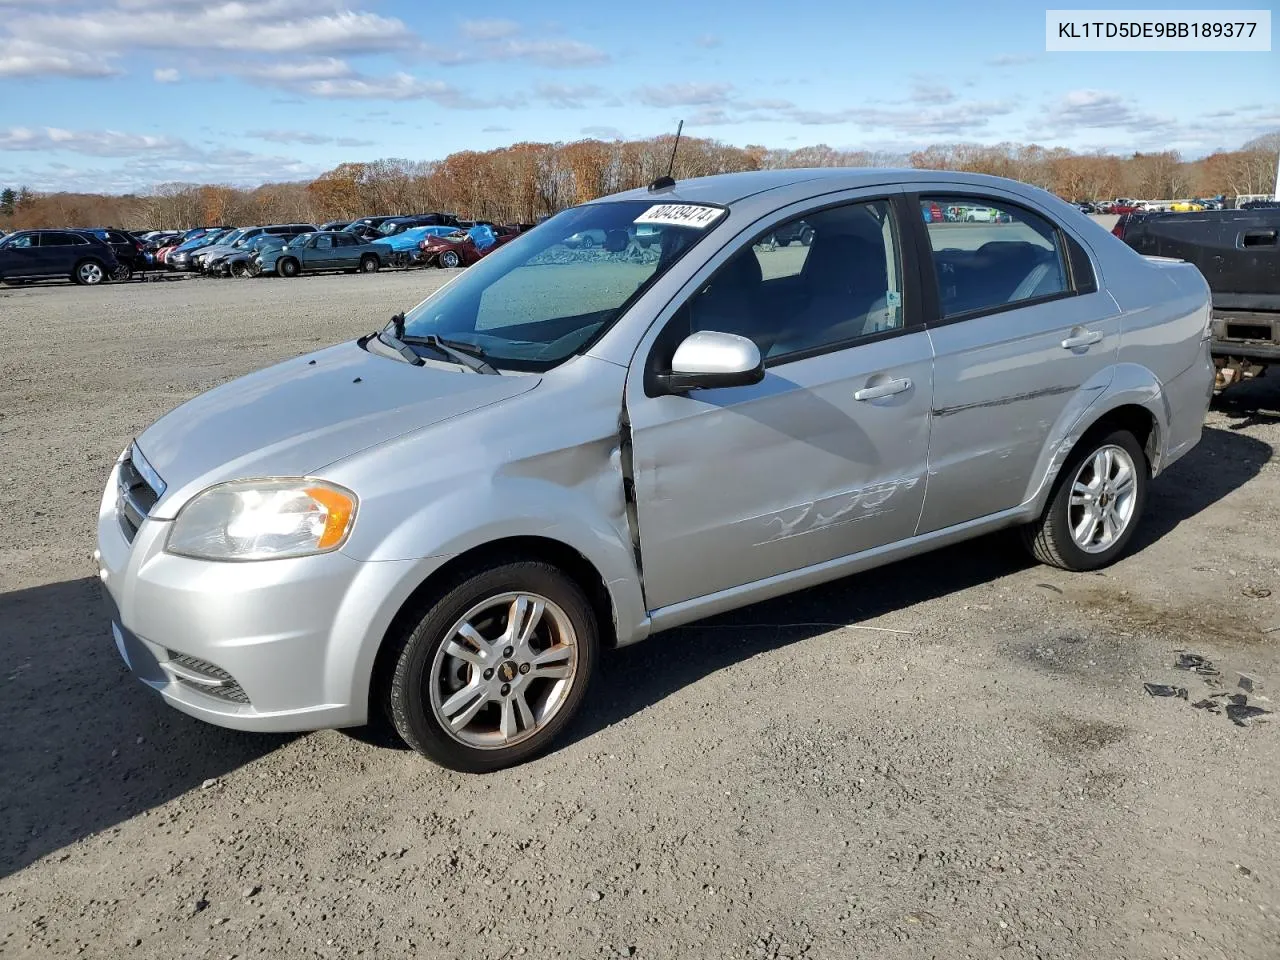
x=1086, y=339
x=886, y=389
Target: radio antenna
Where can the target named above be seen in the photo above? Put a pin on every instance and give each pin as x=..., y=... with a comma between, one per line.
x=667, y=182
x=674, y=147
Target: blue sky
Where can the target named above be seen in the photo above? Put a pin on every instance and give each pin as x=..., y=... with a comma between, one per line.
x=119, y=95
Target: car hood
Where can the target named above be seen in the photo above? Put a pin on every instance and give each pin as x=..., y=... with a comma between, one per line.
x=294, y=418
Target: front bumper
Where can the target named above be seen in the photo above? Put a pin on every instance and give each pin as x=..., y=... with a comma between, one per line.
x=279, y=645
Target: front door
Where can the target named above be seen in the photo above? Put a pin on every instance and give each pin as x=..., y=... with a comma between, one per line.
x=826, y=456
x=1023, y=339
x=320, y=254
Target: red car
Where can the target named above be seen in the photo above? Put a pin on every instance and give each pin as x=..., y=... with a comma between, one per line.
x=458, y=249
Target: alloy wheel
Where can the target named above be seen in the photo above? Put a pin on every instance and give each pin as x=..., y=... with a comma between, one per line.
x=504, y=671
x=1103, y=496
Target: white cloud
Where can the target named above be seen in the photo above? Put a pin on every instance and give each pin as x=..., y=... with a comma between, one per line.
x=324, y=68
x=266, y=26
x=101, y=143
x=25, y=58
x=168, y=75
x=400, y=86
x=1010, y=59
x=1096, y=108
x=567, y=96
x=926, y=91
x=489, y=29
x=603, y=133
x=310, y=139
x=684, y=94
x=545, y=53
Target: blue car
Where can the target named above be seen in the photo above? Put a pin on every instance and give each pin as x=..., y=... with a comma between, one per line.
x=407, y=240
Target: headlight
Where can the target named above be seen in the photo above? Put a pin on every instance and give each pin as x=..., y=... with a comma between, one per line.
x=263, y=520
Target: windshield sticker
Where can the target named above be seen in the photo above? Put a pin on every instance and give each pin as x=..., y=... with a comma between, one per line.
x=681, y=215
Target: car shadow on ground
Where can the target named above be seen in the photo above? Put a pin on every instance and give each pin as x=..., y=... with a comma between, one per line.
x=636, y=677
x=85, y=745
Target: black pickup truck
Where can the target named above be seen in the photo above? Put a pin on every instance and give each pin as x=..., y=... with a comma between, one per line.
x=1239, y=255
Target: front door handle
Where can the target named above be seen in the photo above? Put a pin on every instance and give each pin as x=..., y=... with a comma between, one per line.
x=1086, y=338
x=886, y=389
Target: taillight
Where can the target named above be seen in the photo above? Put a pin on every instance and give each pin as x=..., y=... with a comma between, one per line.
x=1118, y=229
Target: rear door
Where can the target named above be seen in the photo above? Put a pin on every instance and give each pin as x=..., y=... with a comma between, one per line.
x=346, y=251
x=1020, y=331
x=57, y=254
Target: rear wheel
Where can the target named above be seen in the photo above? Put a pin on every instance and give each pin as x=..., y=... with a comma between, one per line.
x=369, y=263
x=807, y=236
x=587, y=243
x=288, y=267
x=1095, y=506
x=451, y=259
x=89, y=273
x=494, y=669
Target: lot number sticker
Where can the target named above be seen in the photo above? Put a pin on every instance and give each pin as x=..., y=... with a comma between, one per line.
x=681, y=215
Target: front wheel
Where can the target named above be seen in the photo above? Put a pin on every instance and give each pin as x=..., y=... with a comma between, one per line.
x=240, y=269
x=288, y=268
x=1095, y=506
x=369, y=263
x=122, y=273
x=450, y=259
x=89, y=273
x=495, y=668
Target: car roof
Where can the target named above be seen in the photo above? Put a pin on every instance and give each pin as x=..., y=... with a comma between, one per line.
x=730, y=188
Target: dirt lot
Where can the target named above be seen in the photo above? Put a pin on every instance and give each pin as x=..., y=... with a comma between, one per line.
x=950, y=757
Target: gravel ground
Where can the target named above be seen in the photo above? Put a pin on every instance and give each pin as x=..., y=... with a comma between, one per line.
x=949, y=757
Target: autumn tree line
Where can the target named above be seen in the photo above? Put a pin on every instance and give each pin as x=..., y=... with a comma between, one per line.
x=527, y=180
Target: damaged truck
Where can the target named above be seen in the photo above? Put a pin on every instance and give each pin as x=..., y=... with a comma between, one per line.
x=1238, y=253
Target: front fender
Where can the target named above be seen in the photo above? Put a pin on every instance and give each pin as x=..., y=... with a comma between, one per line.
x=1124, y=384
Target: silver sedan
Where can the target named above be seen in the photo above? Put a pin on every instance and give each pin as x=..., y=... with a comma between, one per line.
x=441, y=524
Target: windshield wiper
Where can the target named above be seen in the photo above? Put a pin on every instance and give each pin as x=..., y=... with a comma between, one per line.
x=392, y=342
x=466, y=354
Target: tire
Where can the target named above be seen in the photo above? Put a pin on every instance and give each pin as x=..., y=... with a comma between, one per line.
x=369, y=263
x=425, y=682
x=587, y=243
x=240, y=269
x=779, y=242
x=806, y=237
x=122, y=273
x=1052, y=540
x=288, y=267
x=450, y=259
x=89, y=273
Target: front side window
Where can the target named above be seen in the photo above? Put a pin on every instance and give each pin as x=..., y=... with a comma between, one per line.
x=21, y=242
x=988, y=254
x=540, y=299
x=324, y=243
x=840, y=281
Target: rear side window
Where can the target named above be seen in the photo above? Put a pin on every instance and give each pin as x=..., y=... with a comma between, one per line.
x=56, y=238
x=344, y=240
x=988, y=254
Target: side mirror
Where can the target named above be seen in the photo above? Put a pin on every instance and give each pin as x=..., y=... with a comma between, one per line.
x=710, y=359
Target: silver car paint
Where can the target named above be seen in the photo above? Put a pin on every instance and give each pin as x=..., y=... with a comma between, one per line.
x=741, y=494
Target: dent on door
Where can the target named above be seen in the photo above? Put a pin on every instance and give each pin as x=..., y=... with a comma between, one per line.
x=740, y=484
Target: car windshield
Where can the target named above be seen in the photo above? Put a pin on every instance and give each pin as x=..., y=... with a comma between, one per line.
x=538, y=301
x=229, y=238
x=301, y=240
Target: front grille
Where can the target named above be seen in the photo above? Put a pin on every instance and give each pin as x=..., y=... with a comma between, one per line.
x=206, y=677
x=134, y=498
